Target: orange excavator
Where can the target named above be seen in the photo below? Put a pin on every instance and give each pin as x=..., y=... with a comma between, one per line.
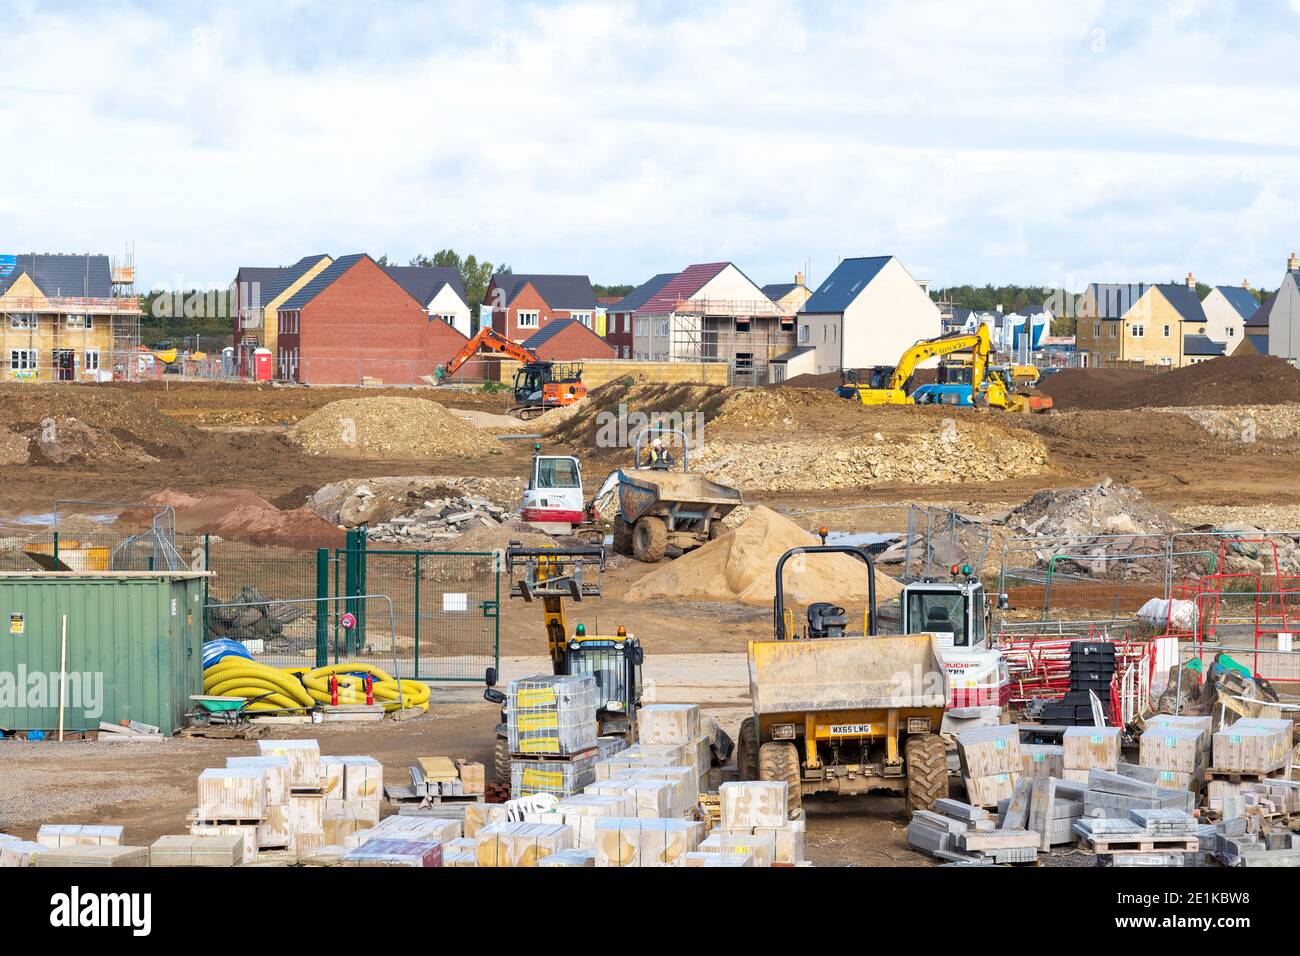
x=539, y=385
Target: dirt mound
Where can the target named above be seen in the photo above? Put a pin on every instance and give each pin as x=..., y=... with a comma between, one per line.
x=613, y=414
x=387, y=428
x=84, y=424
x=1231, y=380
x=741, y=566
x=833, y=444
x=245, y=516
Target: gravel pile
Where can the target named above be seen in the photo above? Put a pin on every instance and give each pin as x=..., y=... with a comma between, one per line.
x=441, y=519
x=387, y=428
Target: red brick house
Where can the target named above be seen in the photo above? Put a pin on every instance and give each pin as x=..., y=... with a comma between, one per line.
x=524, y=304
x=568, y=340
x=355, y=322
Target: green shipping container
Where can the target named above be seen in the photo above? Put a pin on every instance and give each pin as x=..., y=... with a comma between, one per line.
x=133, y=651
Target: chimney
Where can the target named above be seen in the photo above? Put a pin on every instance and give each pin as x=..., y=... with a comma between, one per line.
x=1191, y=281
x=1245, y=283
x=798, y=278
x=1291, y=264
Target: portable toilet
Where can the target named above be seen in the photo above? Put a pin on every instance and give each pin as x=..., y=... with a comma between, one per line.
x=262, y=365
x=228, y=362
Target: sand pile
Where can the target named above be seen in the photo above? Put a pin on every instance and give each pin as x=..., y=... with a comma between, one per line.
x=741, y=566
x=387, y=428
x=1232, y=380
x=245, y=516
x=962, y=451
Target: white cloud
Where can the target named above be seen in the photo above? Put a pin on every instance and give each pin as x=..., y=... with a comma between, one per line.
x=978, y=142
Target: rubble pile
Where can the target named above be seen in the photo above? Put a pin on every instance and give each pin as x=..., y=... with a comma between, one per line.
x=382, y=500
x=946, y=454
x=440, y=519
x=1248, y=423
x=1111, y=519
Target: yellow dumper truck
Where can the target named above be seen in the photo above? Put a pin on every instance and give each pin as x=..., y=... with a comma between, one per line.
x=836, y=712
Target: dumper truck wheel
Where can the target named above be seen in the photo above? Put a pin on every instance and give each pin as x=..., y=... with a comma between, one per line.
x=649, y=539
x=501, y=761
x=926, y=758
x=622, y=536
x=779, y=760
x=747, y=750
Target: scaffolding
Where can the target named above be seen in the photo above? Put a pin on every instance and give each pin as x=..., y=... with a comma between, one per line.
x=74, y=338
x=745, y=334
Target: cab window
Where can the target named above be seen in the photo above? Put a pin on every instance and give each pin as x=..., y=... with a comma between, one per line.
x=557, y=473
x=938, y=613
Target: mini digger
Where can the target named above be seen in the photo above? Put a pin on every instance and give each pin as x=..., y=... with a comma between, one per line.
x=842, y=712
x=549, y=575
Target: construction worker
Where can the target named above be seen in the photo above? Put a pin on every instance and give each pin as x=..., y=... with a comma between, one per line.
x=659, y=457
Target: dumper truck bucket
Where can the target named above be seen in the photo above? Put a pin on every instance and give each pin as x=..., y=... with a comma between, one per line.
x=846, y=673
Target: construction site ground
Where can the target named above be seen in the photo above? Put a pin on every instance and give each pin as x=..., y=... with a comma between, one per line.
x=198, y=438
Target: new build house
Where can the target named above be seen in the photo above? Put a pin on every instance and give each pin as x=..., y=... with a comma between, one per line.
x=1227, y=308
x=257, y=295
x=868, y=311
x=1139, y=323
x=713, y=312
x=354, y=323
x=521, y=304
x=441, y=289
x=1274, y=329
x=66, y=318
x=619, y=317
x=567, y=340
x=790, y=296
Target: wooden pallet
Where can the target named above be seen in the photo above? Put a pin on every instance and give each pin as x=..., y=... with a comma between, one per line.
x=1243, y=776
x=1102, y=845
x=398, y=795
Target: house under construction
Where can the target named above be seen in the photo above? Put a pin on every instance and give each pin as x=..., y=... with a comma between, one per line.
x=68, y=318
x=713, y=312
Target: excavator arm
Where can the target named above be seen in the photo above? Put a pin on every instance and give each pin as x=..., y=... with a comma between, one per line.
x=492, y=340
x=978, y=342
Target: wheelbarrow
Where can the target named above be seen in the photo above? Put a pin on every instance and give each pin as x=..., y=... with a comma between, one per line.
x=222, y=710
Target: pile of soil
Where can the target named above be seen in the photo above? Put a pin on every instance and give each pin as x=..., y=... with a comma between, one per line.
x=83, y=425
x=612, y=415
x=1231, y=380
x=245, y=516
x=740, y=567
x=803, y=439
x=387, y=428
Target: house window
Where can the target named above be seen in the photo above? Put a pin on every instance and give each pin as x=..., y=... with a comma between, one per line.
x=640, y=326
x=1138, y=331
x=583, y=317
x=22, y=360
x=1096, y=330
x=1166, y=361
x=92, y=360
x=742, y=325
x=1166, y=330
x=80, y=322
x=447, y=317
x=1231, y=331
x=24, y=320
x=661, y=328
x=528, y=320
x=1111, y=331
x=805, y=333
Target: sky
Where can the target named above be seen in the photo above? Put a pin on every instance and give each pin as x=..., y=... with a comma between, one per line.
x=1052, y=143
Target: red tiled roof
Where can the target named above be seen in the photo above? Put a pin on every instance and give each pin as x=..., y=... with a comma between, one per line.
x=688, y=282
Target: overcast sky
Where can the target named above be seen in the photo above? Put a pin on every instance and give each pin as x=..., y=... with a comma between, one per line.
x=1036, y=142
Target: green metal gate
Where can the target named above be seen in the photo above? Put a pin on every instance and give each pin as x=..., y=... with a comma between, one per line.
x=446, y=623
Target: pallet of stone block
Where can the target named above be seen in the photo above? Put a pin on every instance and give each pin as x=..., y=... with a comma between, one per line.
x=19, y=853
x=575, y=857
x=1177, y=749
x=232, y=794
x=761, y=848
x=403, y=794
x=637, y=842
x=1204, y=725
x=685, y=789
x=1252, y=745
x=1138, y=841
x=1086, y=748
x=673, y=724
x=82, y=856
x=1042, y=760
x=551, y=715
x=342, y=818
x=561, y=777
x=753, y=803
x=647, y=755
x=395, y=852
x=1164, y=822
x=651, y=798
x=78, y=834
x=1249, y=850
x=787, y=841
x=274, y=769
x=582, y=811
x=1135, y=858
x=303, y=757
x=989, y=751
x=246, y=832
x=520, y=844
x=207, y=851
x=987, y=791
x=460, y=852
x=420, y=829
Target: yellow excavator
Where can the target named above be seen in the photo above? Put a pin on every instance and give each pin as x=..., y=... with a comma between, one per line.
x=892, y=391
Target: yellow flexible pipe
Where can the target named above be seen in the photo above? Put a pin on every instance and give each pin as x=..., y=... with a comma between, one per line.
x=288, y=685
x=252, y=687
